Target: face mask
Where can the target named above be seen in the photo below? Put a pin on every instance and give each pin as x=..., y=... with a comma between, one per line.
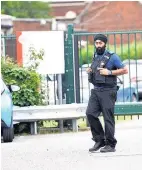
x=100, y=50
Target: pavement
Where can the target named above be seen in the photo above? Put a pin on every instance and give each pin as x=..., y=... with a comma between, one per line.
x=69, y=151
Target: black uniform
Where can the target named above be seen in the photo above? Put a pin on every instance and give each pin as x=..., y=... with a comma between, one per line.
x=102, y=100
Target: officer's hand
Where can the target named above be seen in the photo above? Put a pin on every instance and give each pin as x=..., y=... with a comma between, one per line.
x=104, y=71
x=88, y=70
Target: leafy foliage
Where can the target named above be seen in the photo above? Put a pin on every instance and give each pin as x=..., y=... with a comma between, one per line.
x=29, y=82
x=130, y=51
x=28, y=79
x=34, y=58
x=26, y=9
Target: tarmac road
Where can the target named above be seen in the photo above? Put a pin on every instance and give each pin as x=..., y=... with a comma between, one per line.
x=69, y=151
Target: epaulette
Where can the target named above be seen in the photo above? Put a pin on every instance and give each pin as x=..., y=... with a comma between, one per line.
x=110, y=52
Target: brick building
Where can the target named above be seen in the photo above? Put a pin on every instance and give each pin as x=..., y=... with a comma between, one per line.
x=27, y=24
x=93, y=16
x=90, y=16
x=103, y=15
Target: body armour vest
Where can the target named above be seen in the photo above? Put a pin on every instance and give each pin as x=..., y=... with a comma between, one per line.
x=96, y=78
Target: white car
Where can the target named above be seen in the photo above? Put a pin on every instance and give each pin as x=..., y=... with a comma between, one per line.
x=134, y=76
x=132, y=83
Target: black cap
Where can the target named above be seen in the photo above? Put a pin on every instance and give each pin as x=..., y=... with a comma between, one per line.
x=100, y=37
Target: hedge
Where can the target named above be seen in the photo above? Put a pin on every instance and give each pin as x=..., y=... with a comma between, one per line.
x=86, y=54
x=29, y=82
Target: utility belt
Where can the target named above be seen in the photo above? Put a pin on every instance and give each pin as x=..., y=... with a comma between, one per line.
x=106, y=88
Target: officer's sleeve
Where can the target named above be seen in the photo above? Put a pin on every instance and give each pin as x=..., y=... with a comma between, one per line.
x=117, y=62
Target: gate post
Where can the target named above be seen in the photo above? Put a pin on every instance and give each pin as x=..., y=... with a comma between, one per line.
x=69, y=68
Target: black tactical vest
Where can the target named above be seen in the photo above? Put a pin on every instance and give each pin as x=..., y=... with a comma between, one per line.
x=99, y=80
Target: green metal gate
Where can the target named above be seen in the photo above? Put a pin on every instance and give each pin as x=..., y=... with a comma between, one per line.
x=79, y=48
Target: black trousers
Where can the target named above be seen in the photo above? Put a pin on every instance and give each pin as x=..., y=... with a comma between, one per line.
x=102, y=101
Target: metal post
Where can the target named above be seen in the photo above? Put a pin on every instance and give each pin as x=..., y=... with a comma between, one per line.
x=59, y=77
x=70, y=67
x=74, y=125
x=33, y=128
x=60, y=99
x=76, y=70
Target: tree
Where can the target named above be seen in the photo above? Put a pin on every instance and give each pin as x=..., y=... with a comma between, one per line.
x=26, y=9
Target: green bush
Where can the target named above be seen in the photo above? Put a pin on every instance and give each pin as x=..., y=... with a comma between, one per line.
x=86, y=54
x=130, y=51
x=28, y=80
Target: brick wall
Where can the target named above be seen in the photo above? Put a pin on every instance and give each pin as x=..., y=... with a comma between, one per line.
x=113, y=16
x=30, y=26
x=61, y=11
x=101, y=16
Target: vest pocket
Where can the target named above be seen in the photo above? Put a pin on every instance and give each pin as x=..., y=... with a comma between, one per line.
x=99, y=78
x=111, y=80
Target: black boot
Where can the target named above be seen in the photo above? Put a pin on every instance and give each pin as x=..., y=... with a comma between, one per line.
x=107, y=148
x=97, y=146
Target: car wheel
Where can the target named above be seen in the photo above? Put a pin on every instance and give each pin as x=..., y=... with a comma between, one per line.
x=134, y=98
x=8, y=134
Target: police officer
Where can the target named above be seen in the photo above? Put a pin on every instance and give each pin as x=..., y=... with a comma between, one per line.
x=102, y=74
